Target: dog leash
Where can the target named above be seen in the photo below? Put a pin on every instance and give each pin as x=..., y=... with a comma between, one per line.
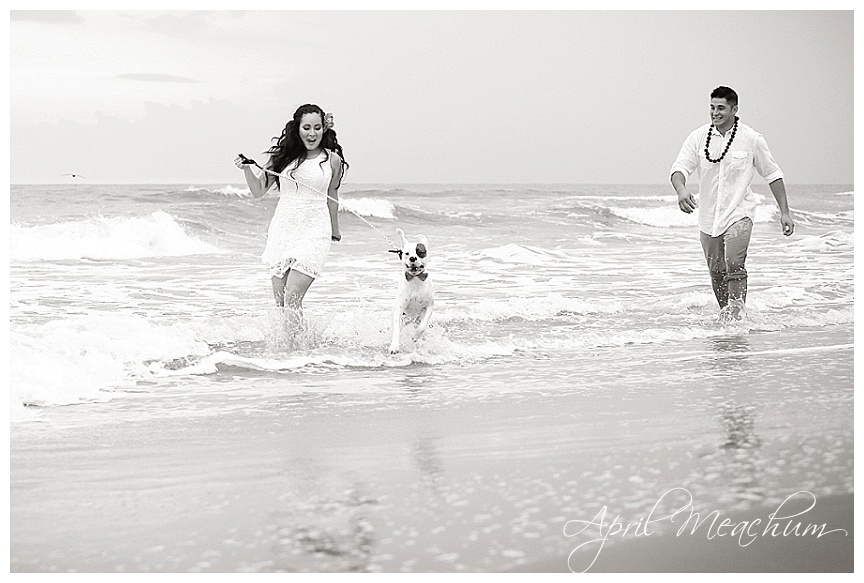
x=395, y=248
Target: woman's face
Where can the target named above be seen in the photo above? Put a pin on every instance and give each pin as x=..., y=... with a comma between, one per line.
x=311, y=130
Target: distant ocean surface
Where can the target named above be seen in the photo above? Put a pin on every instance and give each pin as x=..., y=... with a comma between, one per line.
x=152, y=294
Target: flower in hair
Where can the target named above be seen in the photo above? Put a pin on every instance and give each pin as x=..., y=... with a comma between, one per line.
x=328, y=121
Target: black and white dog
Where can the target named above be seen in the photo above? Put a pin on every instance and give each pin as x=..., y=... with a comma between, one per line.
x=415, y=298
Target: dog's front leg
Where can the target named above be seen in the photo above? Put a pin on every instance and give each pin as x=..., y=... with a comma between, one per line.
x=424, y=322
x=396, y=329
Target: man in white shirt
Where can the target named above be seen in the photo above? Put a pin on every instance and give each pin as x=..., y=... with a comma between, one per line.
x=725, y=154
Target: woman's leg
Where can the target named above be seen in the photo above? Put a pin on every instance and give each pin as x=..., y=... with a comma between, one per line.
x=290, y=291
x=291, y=288
x=295, y=288
x=279, y=289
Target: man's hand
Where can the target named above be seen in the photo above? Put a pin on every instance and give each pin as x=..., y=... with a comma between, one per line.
x=686, y=202
x=787, y=223
x=778, y=189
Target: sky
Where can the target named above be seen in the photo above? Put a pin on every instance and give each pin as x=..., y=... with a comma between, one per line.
x=515, y=96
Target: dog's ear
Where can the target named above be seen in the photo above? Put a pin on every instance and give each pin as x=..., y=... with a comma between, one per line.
x=423, y=239
x=402, y=237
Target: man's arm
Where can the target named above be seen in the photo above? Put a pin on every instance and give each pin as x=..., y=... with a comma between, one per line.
x=778, y=189
x=685, y=164
x=686, y=202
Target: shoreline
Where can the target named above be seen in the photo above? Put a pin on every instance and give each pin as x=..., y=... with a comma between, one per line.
x=321, y=482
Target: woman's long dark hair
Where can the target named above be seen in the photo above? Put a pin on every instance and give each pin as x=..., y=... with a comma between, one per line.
x=290, y=150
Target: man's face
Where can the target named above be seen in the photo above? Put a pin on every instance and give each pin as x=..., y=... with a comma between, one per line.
x=722, y=114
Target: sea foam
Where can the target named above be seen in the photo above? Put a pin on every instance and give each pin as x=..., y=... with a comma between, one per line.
x=229, y=190
x=368, y=207
x=82, y=358
x=153, y=235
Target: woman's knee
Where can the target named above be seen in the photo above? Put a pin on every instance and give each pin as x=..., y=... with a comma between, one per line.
x=296, y=287
x=292, y=299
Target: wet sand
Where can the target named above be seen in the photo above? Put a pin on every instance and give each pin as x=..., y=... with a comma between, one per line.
x=336, y=483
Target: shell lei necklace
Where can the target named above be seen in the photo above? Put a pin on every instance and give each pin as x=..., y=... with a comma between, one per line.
x=726, y=149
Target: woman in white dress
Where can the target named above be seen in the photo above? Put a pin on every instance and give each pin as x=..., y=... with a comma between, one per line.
x=310, y=162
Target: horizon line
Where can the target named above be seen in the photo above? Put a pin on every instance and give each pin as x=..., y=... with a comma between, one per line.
x=194, y=183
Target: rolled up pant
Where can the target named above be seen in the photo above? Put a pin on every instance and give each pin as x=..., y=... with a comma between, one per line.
x=725, y=256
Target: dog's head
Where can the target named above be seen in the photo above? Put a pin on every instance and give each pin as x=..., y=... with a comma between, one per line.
x=413, y=255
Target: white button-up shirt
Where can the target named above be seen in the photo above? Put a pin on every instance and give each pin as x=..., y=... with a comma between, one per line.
x=724, y=187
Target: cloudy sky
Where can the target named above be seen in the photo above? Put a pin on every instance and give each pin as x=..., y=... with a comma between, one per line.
x=423, y=96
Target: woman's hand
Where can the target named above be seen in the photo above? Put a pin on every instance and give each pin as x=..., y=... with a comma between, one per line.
x=242, y=162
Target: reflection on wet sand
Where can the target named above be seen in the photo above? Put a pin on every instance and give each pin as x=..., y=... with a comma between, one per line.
x=338, y=533
x=739, y=456
x=428, y=460
x=732, y=373
x=332, y=534
x=739, y=423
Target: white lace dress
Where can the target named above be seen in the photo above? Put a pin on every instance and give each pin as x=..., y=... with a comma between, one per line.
x=299, y=234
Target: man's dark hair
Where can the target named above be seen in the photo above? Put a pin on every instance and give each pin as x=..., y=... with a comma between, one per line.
x=726, y=93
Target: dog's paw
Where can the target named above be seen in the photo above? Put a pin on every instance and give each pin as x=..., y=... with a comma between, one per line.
x=394, y=348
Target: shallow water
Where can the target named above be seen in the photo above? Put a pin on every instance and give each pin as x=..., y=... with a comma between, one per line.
x=435, y=468
x=575, y=360
x=122, y=281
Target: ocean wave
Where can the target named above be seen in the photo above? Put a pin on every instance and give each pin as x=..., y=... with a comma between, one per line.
x=104, y=355
x=767, y=302
x=210, y=364
x=368, y=207
x=830, y=242
x=349, y=339
x=672, y=216
x=668, y=198
x=376, y=192
x=656, y=217
x=83, y=358
x=153, y=235
x=521, y=254
x=380, y=206
x=437, y=349
x=814, y=218
x=227, y=190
